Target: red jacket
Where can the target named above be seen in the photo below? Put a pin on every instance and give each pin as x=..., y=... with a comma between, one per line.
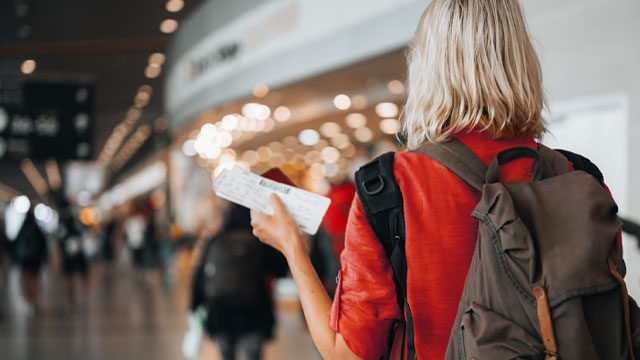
x=440, y=239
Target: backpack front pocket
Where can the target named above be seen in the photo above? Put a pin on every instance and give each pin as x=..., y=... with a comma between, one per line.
x=485, y=334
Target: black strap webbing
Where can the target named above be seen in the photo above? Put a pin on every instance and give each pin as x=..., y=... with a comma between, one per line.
x=581, y=163
x=382, y=203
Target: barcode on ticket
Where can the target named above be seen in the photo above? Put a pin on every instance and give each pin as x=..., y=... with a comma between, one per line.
x=275, y=187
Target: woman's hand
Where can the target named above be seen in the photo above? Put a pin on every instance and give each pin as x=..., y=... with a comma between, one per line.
x=278, y=230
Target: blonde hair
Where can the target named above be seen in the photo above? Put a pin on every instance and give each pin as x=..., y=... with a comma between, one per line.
x=472, y=66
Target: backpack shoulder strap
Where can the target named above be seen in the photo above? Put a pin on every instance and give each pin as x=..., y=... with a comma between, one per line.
x=583, y=164
x=382, y=202
x=459, y=159
x=380, y=197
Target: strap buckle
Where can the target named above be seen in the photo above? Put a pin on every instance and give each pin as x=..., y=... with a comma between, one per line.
x=375, y=191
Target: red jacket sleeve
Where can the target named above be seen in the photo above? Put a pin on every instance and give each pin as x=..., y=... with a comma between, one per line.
x=365, y=304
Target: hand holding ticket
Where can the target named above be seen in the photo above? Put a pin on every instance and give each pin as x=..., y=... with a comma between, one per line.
x=250, y=190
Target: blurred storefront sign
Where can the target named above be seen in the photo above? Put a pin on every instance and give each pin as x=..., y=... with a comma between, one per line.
x=276, y=43
x=142, y=182
x=45, y=120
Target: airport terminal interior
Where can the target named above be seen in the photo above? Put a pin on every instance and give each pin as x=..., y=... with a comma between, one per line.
x=116, y=119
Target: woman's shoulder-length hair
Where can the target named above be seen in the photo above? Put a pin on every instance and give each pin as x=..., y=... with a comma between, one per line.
x=471, y=65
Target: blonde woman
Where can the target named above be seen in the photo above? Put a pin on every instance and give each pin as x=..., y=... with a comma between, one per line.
x=474, y=76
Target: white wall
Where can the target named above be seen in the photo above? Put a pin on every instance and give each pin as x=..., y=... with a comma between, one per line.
x=590, y=51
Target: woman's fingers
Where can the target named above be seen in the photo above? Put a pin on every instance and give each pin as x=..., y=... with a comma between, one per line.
x=277, y=230
x=277, y=205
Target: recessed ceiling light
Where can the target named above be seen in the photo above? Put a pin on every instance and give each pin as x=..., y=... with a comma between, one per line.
x=157, y=58
x=174, y=5
x=168, y=26
x=342, y=102
x=152, y=72
x=28, y=66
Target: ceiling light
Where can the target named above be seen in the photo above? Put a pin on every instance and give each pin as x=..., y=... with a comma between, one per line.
x=269, y=125
x=282, y=113
x=44, y=213
x=145, y=89
x=342, y=102
x=157, y=58
x=174, y=5
x=168, y=26
x=349, y=151
x=316, y=171
x=208, y=131
x=330, y=169
x=212, y=151
x=141, y=101
x=28, y=66
x=290, y=141
x=276, y=146
x=395, y=87
x=161, y=123
x=229, y=122
x=340, y=141
x=189, y=148
x=312, y=157
x=260, y=90
x=264, y=154
x=363, y=134
x=356, y=120
x=387, y=110
x=256, y=111
x=330, y=129
x=21, y=204
x=152, y=71
x=251, y=157
x=389, y=126
x=133, y=113
x=330, y=154
x=360, y=102
x=224, y=139
x=309, y=137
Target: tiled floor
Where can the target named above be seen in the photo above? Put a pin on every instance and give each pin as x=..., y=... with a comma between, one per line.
x=124, y=316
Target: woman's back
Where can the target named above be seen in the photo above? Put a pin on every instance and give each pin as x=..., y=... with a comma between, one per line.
x=440, y=239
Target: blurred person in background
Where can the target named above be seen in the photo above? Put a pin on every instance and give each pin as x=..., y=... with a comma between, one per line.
x=74, y=261
x=4, y=250
x=233, y=284
x=473, y=76
x=106, y=241
x=134, y=227
x=327, y=244
x=31, y=252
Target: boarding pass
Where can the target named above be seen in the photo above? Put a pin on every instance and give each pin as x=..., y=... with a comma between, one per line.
x=250, y=190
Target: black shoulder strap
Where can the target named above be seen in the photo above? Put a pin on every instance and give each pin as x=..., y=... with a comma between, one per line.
x=583, y=164
x=382, y=203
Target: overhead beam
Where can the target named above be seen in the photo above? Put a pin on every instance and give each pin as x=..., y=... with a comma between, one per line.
x=104, y=46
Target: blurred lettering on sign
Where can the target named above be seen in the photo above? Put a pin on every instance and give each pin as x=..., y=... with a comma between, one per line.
x=43, y=120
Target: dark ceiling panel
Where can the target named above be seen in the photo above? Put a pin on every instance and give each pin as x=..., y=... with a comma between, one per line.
x=104, y=43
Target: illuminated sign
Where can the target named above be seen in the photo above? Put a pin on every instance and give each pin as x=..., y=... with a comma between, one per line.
x=43, y=120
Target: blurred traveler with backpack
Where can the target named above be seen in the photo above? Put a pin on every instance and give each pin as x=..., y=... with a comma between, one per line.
x=535, y=273
x=31, y=252
x=233, y=284
x=74, y=261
